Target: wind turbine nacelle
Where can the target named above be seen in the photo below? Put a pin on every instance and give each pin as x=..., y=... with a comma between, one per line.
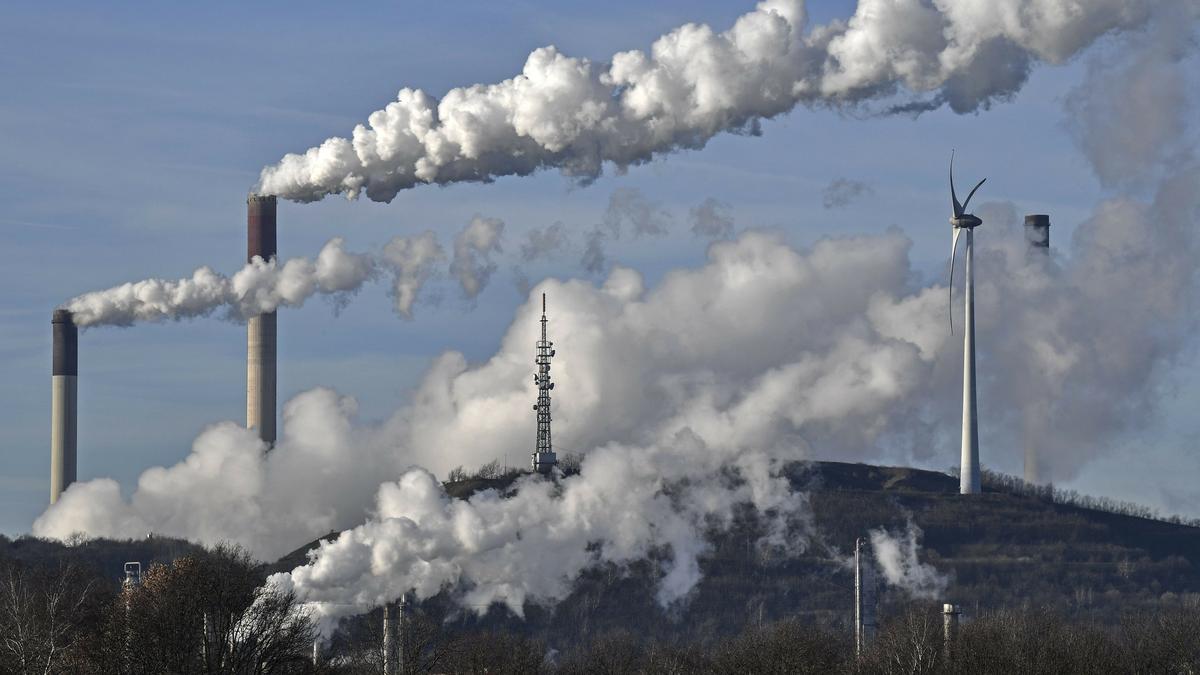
x=966, y=221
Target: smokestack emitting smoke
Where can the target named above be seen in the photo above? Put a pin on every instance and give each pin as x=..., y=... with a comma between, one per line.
x=64, y=408
x=261, y=330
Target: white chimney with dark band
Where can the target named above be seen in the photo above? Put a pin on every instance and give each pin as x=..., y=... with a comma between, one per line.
x=64, y=406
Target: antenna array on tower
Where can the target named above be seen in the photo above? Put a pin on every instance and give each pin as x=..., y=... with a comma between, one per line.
x=543, y=458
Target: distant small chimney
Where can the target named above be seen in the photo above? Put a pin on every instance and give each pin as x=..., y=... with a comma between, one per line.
x=1037, y=232
x=1037, y=237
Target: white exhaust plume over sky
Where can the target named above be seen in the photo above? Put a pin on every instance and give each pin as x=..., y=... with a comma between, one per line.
x=694, y=83
x=415, y=261
x=264, y=286
x=474, y=248
x=764, y=354
x=711, y=219
x=259, y=287
x=898, y=559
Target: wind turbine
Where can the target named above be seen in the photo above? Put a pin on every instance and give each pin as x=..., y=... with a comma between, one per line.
x=961, y=222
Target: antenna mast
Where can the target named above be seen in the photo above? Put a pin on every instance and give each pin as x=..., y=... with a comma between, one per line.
x=543, y=459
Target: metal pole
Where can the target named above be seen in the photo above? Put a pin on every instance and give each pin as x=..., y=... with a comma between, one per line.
x=389, y=647
x=858, y=599
x=969, y=469
x=401, y=635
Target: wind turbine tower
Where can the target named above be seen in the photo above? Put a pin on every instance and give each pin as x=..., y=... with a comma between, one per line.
x=962, y=222
x=543, y=458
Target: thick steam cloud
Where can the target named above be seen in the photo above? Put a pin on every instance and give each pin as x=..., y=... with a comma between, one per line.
x=695, y=82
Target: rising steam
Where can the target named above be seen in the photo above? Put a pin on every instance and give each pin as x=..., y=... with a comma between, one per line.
x=575, y=115
x=898, y=558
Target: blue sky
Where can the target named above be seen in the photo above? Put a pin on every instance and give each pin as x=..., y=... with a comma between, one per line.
x=132, y=132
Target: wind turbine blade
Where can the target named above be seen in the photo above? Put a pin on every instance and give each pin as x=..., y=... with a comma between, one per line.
x=972, y=193
x=958, y=209
x=953, y=251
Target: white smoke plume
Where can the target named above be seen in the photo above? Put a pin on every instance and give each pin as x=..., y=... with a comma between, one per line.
x=629, y=205
x=664, y=400
x=264, y=286
x=828, y=352
x=842, y=191
x=695, y=82
x=260, y=287
x=1131, y=115
x=414, y=261
x=474, y=248
x=544, y=242
x=898, y=558
x=711, y=220
x=540, y=244
x=595, y=251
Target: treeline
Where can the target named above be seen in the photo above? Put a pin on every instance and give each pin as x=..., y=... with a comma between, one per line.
x=1030, y=642
x=992, y=481
x=205, y=612
x=208, y=612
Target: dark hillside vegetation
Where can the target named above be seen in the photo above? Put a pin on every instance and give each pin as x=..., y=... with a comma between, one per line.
x=1045, y=578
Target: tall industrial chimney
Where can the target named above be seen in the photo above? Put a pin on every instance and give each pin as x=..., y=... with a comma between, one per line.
x=64, y=408
x=1037, y=236
x=261, y=330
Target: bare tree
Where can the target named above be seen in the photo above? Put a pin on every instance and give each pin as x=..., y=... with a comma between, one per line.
x=910, y=644
x=40, y=614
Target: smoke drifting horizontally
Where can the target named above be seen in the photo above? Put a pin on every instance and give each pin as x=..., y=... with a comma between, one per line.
x=575, y=115
x=266, y=285
x=260, y=287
